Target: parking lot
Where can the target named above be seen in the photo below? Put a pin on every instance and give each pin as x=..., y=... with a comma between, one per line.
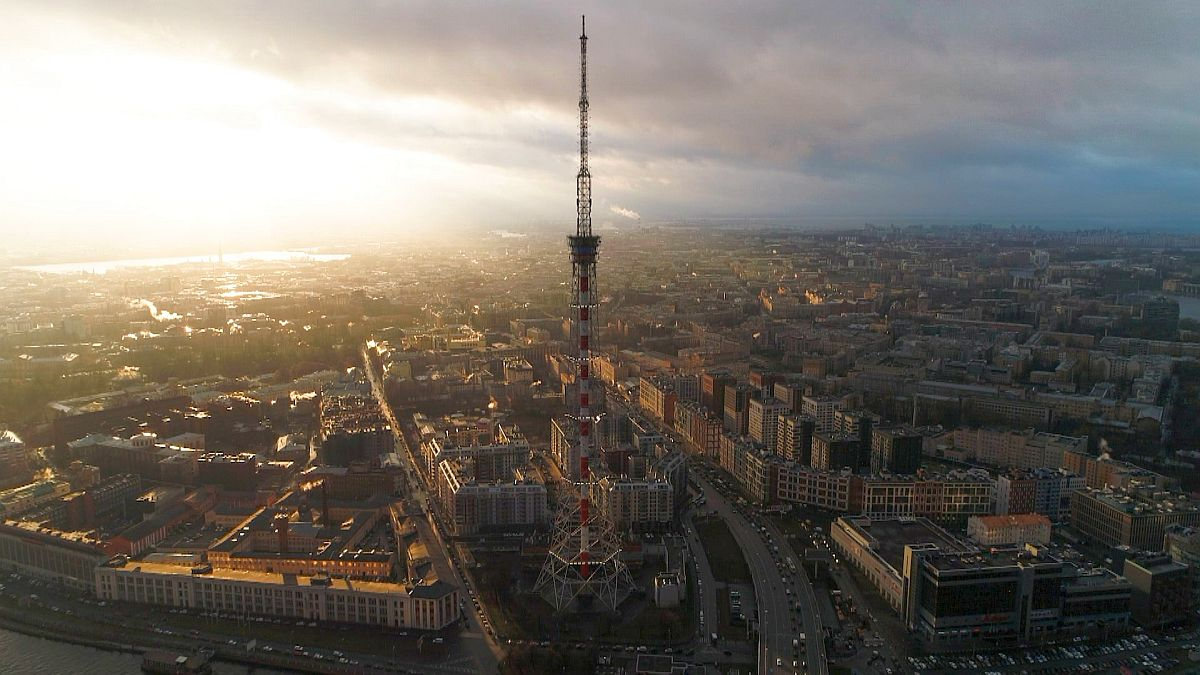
x=1139, y=653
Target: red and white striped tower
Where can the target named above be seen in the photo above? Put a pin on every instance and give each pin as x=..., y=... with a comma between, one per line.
x=583, y=569
x=584, y=248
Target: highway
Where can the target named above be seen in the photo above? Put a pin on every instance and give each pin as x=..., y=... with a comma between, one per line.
x=777, y=624
x=707, y=590
x=475, y=642
x=811, y=617
x=777, y=620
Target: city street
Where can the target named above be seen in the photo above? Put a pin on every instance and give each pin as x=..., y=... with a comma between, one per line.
x=475, y=641
x=706, y=587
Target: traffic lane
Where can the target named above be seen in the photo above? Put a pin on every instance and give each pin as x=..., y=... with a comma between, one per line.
x=708, y=602
x=765, y=578
x=779, y=644
x=484, y=650
x=773, y=614
x=813, y=628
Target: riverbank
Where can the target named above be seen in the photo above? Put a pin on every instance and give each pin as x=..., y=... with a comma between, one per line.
x=8, y=623
x=15, y=622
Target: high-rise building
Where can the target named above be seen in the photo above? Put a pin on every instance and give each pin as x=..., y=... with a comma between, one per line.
x=737, y=408
x=657, y=398
x=794, y=437
x=712, y=389
x=832, y=451
x=822, y=409
x=896, y=449
x=763, y=420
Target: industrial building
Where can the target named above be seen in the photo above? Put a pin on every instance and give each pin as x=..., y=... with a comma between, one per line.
x=260, y=593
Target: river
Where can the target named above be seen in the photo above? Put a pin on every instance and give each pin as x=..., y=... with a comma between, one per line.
x=23, y=654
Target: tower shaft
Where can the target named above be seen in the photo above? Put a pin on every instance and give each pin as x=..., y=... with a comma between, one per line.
x=584, y=249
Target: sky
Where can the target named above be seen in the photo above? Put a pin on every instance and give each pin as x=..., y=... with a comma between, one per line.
x=138, y=125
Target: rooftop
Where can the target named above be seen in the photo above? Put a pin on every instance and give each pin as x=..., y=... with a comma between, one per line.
x=434, y=590
x=1139, y=503
x=892, y=535
x=1018, y=520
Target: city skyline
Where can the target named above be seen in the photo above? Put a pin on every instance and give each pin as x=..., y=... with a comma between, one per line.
x=278, y=124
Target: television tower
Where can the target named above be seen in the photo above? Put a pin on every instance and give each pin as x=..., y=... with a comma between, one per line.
x=583, y=563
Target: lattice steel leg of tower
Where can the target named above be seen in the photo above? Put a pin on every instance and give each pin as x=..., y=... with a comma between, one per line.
x=561, y=581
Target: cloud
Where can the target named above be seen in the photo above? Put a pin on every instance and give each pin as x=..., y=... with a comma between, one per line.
x=627, y=213
x=700, y=109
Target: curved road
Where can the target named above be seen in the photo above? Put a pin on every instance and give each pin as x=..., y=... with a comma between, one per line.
x=777, y=626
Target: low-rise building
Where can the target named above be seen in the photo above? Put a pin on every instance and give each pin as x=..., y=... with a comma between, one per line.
x=1027, y=528
x=800, y=484
x=260, y=593
x=1183, y=545
x=948, y=499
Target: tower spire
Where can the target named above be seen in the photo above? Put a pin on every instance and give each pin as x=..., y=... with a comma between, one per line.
x=583, y=192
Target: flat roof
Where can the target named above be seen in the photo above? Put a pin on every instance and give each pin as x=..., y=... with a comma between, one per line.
x=1014, y=519
x=892, y=535
x=146, y=567
x=990, y=558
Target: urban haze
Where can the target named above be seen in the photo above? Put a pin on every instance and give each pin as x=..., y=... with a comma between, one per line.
x=680, y=338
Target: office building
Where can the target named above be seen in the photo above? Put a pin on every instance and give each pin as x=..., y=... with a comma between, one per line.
x=1044, y=490
x=69, y=558
x=949, y=499
x=1183, y=545
x=1162, y=590
x=951, y=594
x=1133, y=518
x=896, y=450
